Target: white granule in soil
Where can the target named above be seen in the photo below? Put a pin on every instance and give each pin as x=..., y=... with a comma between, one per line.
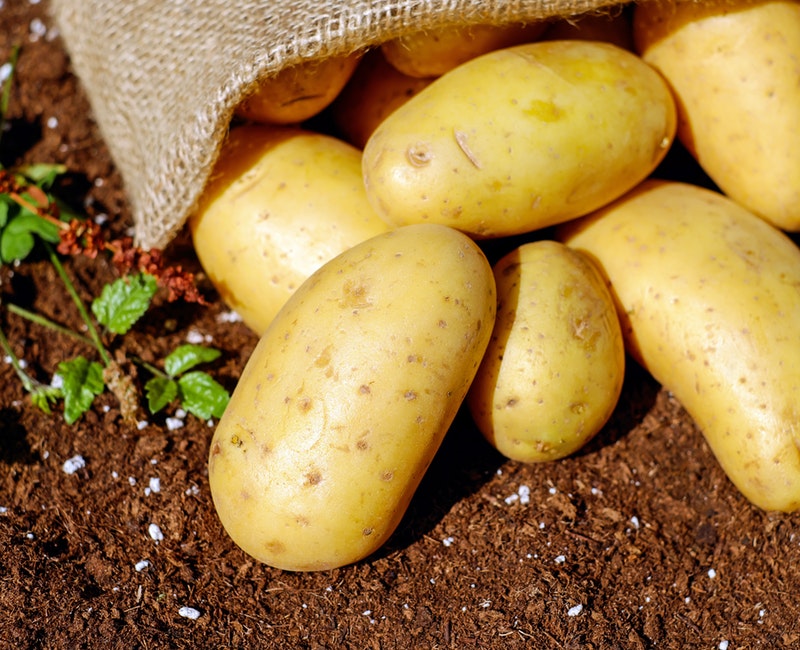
x=198, y=338
x=5, y=69
x=229, y=317
x=72, y=465
x=141, y=565
x=574, y=611
x=189, y=612
x=174, y=423
x=155, y=532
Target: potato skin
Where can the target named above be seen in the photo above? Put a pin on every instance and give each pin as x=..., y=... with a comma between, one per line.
x=709, y=299
x=280, y=203
x=299, y=92
x=521, y=138
x=375, y=90
x=433, y=53
x=553, y=371
x=734, y=66
x=347, y=396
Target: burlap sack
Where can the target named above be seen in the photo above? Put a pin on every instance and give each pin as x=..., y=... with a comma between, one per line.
x=163, y=76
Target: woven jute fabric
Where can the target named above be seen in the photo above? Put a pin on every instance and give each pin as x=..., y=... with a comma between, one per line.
x=163, y=76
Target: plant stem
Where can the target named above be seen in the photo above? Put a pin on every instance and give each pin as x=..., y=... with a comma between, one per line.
x=151, y=368
x=28, y=383
x=98, y=343
x=5, y=97
x=46, y=322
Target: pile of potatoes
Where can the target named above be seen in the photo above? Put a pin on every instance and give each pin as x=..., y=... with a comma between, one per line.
x=348, y=221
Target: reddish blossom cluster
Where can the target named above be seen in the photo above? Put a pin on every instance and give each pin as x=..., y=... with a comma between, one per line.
x=86, y=238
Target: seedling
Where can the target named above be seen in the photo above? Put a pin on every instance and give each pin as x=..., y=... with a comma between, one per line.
x=31, y=216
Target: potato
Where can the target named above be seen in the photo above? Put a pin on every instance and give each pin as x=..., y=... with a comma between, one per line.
x=298, y=92
x=709, y=297
x=612, y=28
x=734, y=66
x=280, y=203
x=432, y=53
x=347, y=396
x=553, y=371
x=375, y=90
x=521, y=138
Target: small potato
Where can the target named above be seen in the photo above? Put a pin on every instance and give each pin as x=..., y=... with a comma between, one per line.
x=346, y=398
x=432, y=53
x=553, y=371
x=521, y=138
x=280, y=203
x=299, y=92
x=709, y=299
x=734, y=66
x=375, y=90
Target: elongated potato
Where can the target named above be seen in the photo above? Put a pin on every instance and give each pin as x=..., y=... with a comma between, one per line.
x=280, y=203
x=553, y=371
x=734, y=66
x=521, y=138
x=709, y=296
x=299, y=92
x=432, y=53
x=347, y=397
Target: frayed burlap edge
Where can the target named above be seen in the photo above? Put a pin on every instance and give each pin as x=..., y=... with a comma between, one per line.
x=164, y=76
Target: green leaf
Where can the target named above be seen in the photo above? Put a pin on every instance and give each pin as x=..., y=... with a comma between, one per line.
x=160, y=391
x=188, y=356
x=43, y=397
x=124, y=301
x=27, y=221
x=5, y=209
x=82, y=382
x=42, y=174
x=17, y=239
x=202, y=395
x=15, y=246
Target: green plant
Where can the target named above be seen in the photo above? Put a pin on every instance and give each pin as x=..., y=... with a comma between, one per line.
x=31, y=215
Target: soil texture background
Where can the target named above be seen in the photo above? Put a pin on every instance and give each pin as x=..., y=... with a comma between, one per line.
x=639, y=541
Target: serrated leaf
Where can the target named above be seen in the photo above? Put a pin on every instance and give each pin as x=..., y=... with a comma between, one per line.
x=202, y=396
x=124, y=301
x=160, y=391
x=187, y=356
x=82, y=382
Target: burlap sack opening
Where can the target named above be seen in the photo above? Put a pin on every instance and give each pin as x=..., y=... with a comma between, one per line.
x=164, y=76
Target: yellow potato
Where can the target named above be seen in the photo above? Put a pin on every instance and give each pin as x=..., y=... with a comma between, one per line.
x=734, y=66
x=709, y=298
x=299, y=92
x=553, y=371
x=347, y=397
x=434, y=52
x=521, y=138
x=280, y=203
x=375, y=90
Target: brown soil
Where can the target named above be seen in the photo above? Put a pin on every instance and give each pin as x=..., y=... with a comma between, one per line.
x=640, y=541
